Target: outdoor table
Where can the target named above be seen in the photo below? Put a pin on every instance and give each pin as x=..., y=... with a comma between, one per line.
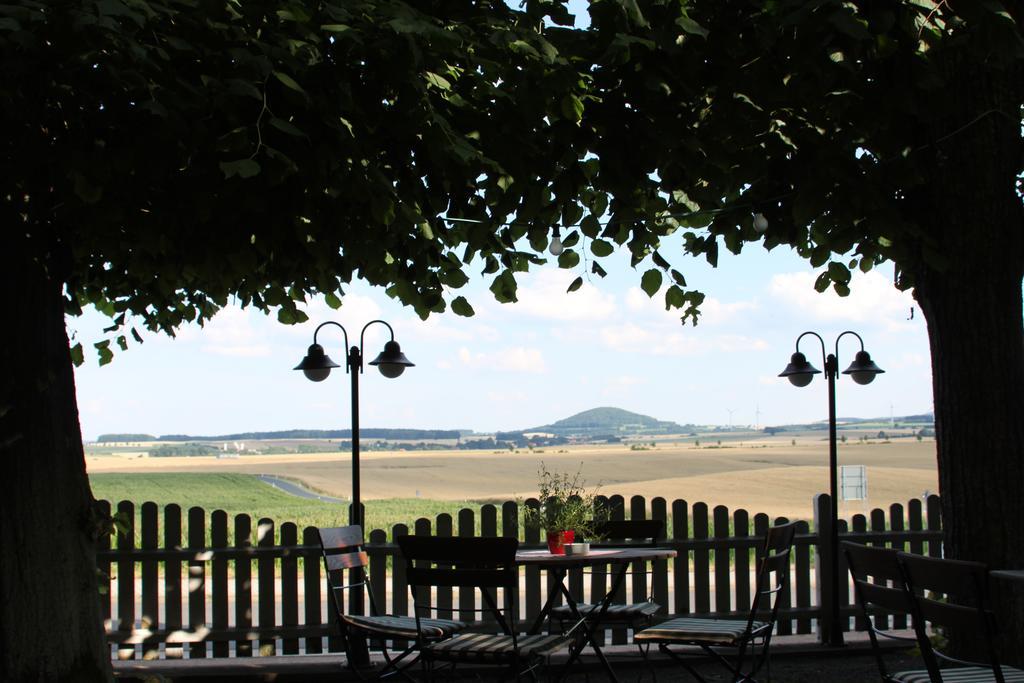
x=558, y=567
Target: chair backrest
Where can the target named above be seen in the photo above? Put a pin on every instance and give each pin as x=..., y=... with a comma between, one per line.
x=618, y=532
x=772, y=575
x=880, y=590
x=484, y=563
x=952, y=594
x=342, y=549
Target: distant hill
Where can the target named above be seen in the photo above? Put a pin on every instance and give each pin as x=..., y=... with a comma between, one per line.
x=611, y=422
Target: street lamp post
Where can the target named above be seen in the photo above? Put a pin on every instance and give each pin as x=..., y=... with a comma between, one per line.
x=800, y=373
x=317, y=366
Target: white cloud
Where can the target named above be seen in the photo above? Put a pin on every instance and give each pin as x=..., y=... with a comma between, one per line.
x=713, y=311
x=544, y=296
x=872, y=299
x=232, y=332
x=515, y=359
x=617, y=386
x=508, y=396
x=631, y=338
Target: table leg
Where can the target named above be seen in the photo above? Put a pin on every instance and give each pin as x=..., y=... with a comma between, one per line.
x=557, y=576
x=595, y=623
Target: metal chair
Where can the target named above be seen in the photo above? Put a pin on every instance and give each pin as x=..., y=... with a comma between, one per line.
x=342, y=551
x=880, y=590
x=953, y=594
x=488, y=564
x=746, y=635
x=619, y=534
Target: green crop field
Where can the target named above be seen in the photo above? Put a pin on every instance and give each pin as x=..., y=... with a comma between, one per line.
x=246, y=494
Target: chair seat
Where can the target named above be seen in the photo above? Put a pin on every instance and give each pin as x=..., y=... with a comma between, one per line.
x=615, y=612
x=696, y=630
x=483, y=647
x=965, y=674
x=404, y=627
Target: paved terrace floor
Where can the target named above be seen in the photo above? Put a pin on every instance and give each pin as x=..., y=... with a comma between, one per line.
x=795, y=659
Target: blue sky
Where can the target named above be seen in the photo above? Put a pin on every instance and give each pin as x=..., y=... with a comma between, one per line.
x=516, y=366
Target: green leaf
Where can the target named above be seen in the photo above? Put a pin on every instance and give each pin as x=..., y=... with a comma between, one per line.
x=601, y=248
x=461, y=307
x=521, y=47
x=837, y=272
x=454, y=278
x=822, y=282
x=77, y=355
x=335, y=28
x=436, y=81
x=382, y=208
x=576, y=284
x=572, y=108
x=286, y=127
x=243, y=168
x=568, y=259
x=674, y=298
x=332, y=300
x=651, y=282
x=504, y=288
x=690, y=26
x=288, y=81
x=104, y=352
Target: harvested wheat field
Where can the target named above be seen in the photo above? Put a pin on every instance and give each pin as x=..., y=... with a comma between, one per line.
x=771, y=475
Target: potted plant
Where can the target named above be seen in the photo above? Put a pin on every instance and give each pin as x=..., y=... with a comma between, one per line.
x=566, y=508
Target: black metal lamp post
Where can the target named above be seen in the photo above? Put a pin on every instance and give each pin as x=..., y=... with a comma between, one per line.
x=317, y=366
x=799, y=372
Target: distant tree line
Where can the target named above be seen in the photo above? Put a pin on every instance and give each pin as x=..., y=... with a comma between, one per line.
x=185, y=449
x=107, y=438
x=416, y=434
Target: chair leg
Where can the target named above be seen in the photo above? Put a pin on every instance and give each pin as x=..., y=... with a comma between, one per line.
x=646, y=659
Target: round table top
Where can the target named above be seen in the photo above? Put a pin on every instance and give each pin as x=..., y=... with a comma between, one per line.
x=596, y=556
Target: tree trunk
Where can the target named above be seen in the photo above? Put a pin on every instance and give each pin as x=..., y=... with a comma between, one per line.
x=973, y=307
x=49, y=599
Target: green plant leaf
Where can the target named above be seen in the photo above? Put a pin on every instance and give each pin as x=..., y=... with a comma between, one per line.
x=243, y=168
x=461, y=307
x=651, y=282
x=288, y=81
x=601, y=248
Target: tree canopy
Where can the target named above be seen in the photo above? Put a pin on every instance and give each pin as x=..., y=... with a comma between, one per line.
x=164, y=157
x=168, y=159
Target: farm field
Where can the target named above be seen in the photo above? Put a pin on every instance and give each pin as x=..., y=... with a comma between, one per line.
x=770, y=475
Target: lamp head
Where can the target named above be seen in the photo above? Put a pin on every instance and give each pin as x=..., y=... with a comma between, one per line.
x=391, y=362
x=760, y=223
x=799, y=372
x=863, y=370
x=317, y=365
x=556, y=248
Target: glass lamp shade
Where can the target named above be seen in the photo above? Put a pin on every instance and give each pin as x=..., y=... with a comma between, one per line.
x=392, y=362
x=799, y=372
x=317, y=365
x=556, y=246
x=863, y=369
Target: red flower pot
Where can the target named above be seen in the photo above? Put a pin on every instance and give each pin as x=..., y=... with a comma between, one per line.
x=558, y=539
